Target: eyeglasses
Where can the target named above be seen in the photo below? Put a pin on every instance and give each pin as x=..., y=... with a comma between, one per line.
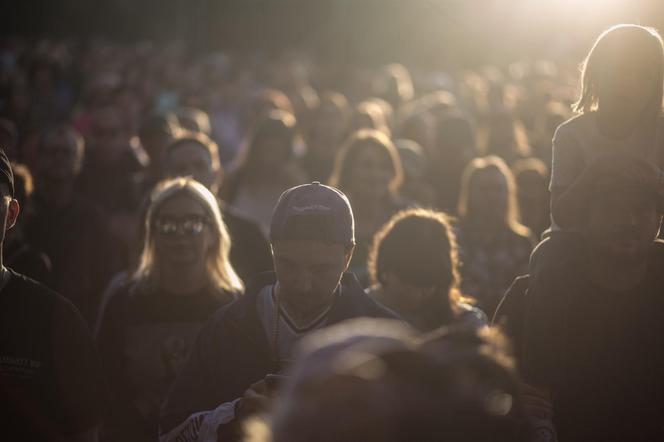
x=191, y=226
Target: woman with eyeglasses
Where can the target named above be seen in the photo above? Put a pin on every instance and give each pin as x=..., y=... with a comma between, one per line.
x=148, y=327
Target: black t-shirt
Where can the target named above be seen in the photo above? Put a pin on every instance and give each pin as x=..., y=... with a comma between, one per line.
x=144, y=338
x=49, y=371
x=77, y=240
x=608, y=378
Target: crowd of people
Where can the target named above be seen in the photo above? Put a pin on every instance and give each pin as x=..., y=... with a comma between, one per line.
x=258, y=247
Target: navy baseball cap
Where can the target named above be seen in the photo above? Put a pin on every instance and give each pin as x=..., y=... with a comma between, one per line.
x=313, y=212
x=6, y=174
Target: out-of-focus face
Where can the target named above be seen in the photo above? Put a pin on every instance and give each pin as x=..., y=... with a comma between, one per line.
x=182, y=232
x=59, y=157
x=191, y=159
x=328, y=129
x=622, y=225
x=370, y=174
x=308, y=272
x=108, y=137
x=488, y=195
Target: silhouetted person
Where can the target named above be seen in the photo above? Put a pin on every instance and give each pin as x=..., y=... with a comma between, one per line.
x=50, y=379
x=593, y=327
x=71, y=230
x=312, y=243
x=620, y=106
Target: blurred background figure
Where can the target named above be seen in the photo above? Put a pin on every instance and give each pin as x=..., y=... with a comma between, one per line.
x=197, y=156
x=70, y=229
x=156, y=132
x=149, y=325
x=413, y=266
x=494, y=246
x=267, y=165
x=368, y=170
x=326, y=131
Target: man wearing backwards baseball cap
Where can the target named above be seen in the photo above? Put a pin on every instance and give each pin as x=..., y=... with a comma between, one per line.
x=50, y=382
x=596, y=346
x=313, y=237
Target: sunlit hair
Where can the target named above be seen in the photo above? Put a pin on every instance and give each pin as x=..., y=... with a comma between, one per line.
x=220, y=272
x=614, y=44
x=360, y=140
x=194, y=119
x=490, y=164
x=419, y=246
x=200, y=138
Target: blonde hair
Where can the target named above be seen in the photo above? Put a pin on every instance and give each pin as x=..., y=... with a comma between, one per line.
x=360, y=140
x=220, y=272
x=606, y=46
x=484, y=164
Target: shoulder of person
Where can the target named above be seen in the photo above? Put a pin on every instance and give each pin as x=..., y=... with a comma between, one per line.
x=27, y=289
x=40, y=299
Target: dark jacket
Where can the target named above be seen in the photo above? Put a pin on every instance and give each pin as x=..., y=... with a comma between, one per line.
x=232, y=351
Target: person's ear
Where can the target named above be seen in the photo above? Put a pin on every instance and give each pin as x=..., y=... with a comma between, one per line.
x=12, y=214
x=348, y=256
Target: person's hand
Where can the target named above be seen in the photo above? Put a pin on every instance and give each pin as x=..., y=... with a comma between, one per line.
x=256, y=400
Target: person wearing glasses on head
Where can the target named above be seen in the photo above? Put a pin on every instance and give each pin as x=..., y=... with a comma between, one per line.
x=183, y=276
